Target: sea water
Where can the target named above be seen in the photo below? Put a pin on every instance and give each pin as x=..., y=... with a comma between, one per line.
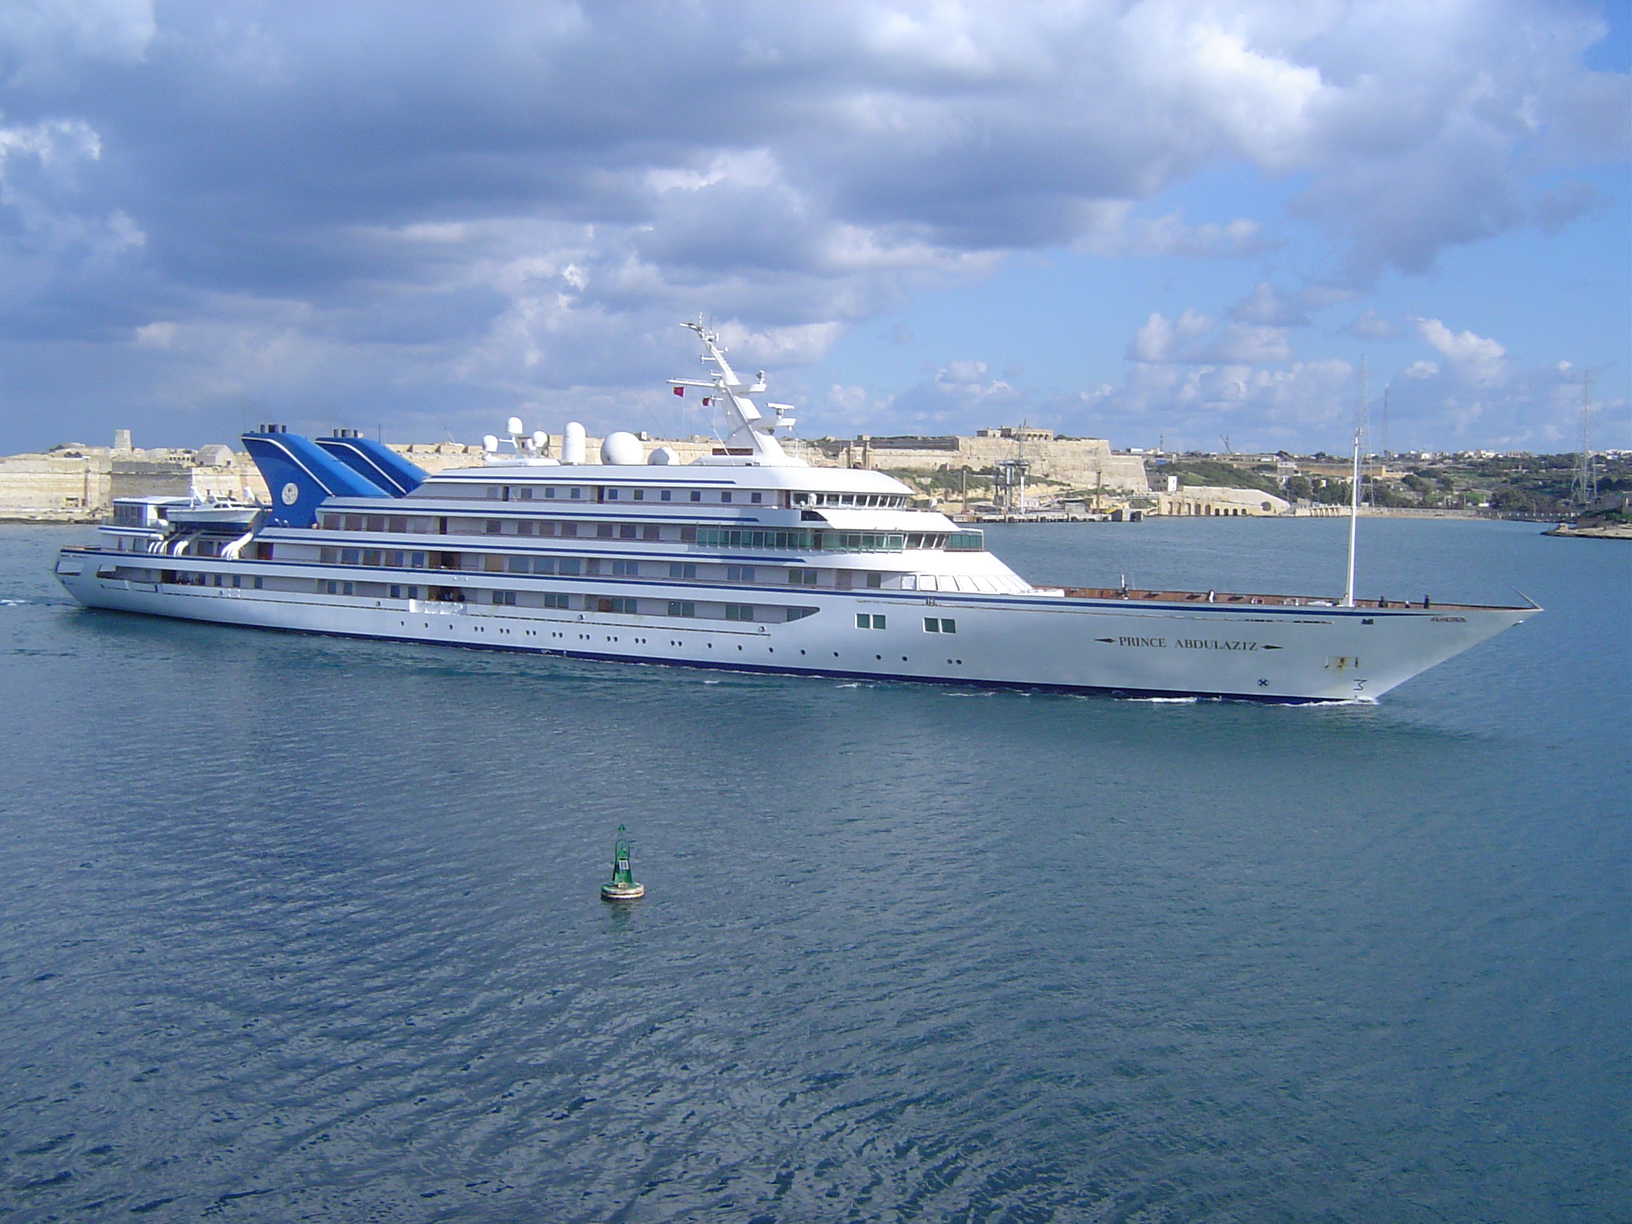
x=308, y=928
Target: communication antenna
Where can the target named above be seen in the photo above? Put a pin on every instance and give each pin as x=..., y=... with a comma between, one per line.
x=1584, y=488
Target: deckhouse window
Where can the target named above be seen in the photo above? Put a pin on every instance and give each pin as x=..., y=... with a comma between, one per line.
x=739, y=612
x=682, y=607
x=756, y=498
x=866, y=620
x=666, y=495
x=697, y=495
x=739, y=573
x=802, y=577
x=682, y=569
x=725, y=495
x=626, y=569
x=549, y=492
x=640, y=494
x=940, y=624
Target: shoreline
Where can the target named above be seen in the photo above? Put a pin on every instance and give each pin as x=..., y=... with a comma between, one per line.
x=1605, y=531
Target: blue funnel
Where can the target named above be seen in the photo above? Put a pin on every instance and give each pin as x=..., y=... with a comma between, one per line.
x=300, y=477
x=374, y=461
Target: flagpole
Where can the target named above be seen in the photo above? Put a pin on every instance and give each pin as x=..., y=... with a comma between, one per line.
x=1354, y=486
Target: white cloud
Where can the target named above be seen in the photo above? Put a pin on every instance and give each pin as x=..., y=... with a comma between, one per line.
x=1245, y=344
x=1473, y=357
x=1159, y=339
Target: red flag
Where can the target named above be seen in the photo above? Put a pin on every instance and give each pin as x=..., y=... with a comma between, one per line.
x=707, y=400
x=679, y=390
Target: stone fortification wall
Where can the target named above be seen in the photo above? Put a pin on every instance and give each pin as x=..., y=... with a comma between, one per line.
x=79, y=483
x=1081, y=463
x=52, y=487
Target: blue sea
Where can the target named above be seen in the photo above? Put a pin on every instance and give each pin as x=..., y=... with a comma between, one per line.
x=301, y=928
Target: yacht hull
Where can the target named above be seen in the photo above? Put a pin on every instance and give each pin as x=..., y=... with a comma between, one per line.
x=1278, y=654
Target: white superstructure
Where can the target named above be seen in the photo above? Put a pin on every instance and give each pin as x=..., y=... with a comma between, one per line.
x=746, y=559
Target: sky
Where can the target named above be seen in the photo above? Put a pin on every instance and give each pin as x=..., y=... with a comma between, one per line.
x=1162, y=222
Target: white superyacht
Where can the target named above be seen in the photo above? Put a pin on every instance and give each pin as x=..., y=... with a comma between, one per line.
x=747, y=559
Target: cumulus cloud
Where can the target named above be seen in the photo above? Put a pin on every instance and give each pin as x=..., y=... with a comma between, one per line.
x=491, y=203
x=1475, y=358
x=1162, y=339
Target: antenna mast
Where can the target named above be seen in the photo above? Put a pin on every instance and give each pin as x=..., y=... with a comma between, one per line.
x=1584, y=489
x=1354, y=485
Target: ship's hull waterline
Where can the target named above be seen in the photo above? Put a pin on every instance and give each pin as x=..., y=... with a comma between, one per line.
x=1281, y=654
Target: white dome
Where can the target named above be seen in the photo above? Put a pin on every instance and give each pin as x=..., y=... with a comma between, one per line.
x=622, y=449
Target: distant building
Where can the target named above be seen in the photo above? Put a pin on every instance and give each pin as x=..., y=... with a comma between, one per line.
x=1215, y=501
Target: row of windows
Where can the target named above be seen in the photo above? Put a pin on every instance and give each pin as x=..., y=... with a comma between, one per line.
x=572, y=567
x=609, y=493
x=801, y=539
x=603, y=494
x=882, y=501
x=560, y=600
x=183, y=578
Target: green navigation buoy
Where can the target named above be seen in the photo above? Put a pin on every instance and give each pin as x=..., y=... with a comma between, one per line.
x=622, y=886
